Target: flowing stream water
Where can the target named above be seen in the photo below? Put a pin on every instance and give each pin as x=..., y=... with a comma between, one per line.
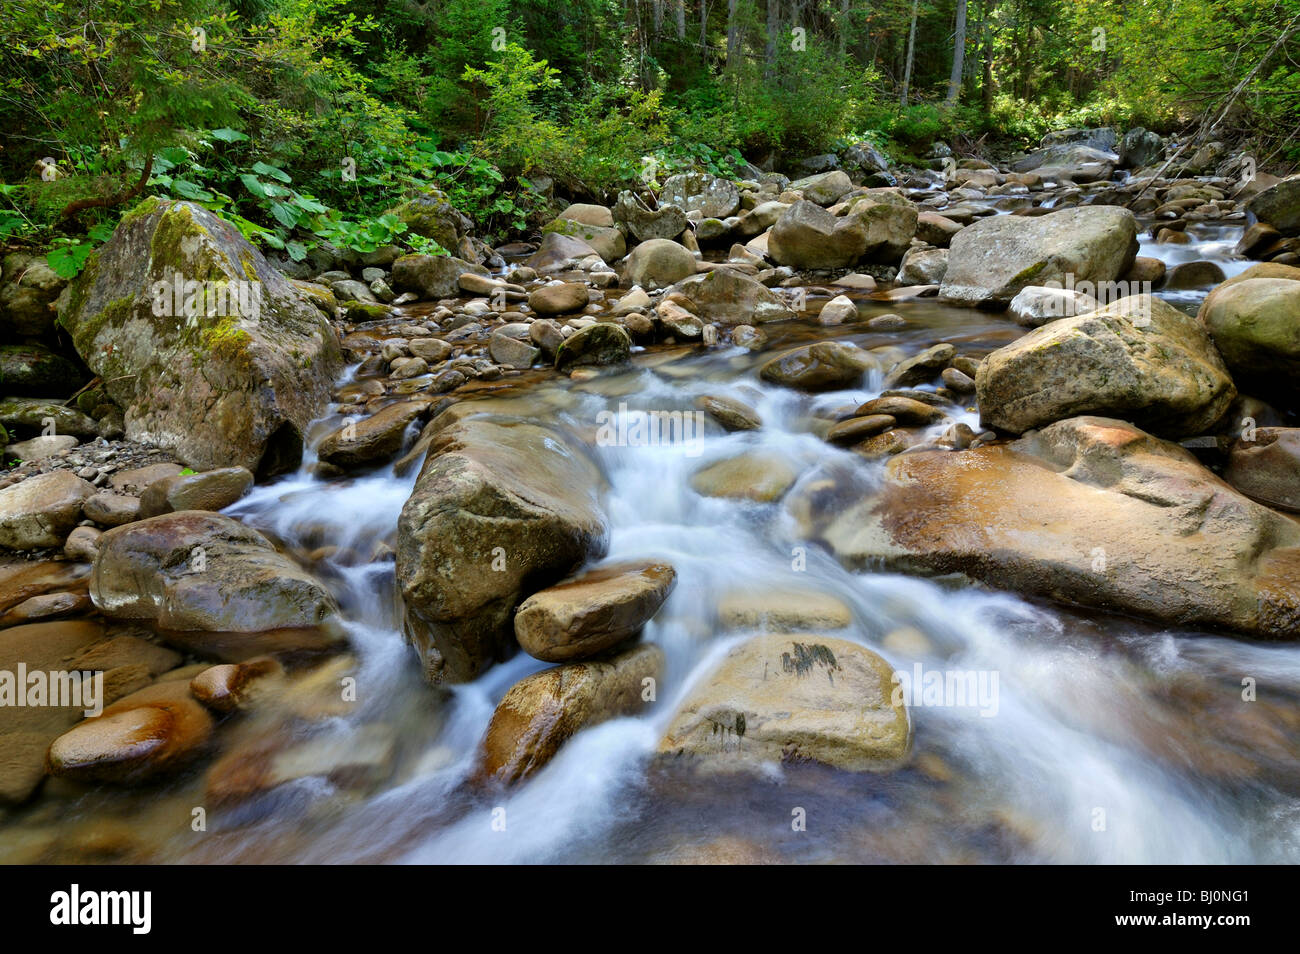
x=1108, y=739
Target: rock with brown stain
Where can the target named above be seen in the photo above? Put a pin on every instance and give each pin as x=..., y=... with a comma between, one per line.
x=1091, y=511
x=543, y=711
x=149, y=733
x=230, y=686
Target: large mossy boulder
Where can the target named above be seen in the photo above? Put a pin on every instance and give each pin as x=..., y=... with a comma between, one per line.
x=609, y=243
x=502, y=508
x=211, y=352
x=430, y=215
x=1140, y=359
x=991, y=261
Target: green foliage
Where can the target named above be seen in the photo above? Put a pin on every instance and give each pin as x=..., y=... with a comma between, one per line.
x=509, y=125
x=305, y=121
x=68, y=256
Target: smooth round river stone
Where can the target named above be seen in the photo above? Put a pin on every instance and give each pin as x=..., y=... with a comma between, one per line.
x=148, y=733
x=760, y=476
x=592, y=612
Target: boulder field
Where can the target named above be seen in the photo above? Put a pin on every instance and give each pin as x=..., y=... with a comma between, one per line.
x=958, y=368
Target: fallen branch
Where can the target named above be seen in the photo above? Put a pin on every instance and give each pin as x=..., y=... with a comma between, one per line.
x=1205, y=132
x=107, y=202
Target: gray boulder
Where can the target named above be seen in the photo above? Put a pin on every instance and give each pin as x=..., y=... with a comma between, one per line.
x=227, y=371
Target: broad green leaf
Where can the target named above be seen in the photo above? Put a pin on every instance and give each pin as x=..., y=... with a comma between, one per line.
x=68, y=260
x=307, y=203
x=266, y=169
x=285, y=214
x=253, y=184
x=190, y=190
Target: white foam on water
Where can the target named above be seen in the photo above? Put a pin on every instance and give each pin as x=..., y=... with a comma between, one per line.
x=1057, y=751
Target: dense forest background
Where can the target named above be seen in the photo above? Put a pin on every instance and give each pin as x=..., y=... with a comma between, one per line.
x=304, y=121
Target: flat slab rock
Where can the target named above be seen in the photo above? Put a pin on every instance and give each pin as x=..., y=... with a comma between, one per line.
x=1091, y=511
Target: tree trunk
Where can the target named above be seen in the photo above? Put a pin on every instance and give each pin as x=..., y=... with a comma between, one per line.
x=986, y=53
x=844, y=28
x=679, y=13
x=911, y=55
x=704, y=33
x=733, y=29
x=773, y=28
x=958, y=55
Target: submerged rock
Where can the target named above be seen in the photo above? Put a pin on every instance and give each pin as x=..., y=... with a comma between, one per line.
x=27, y=731
x=794, y=698
x=825, y=366
x=758, y=475
x=783, y=610
x=149, y=733
x=231, y=686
